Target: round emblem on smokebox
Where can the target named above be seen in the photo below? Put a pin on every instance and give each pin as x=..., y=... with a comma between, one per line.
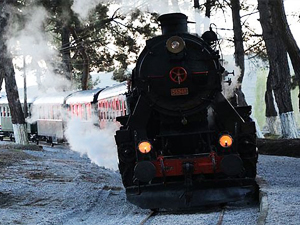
x=178, y=74
x=144, y=171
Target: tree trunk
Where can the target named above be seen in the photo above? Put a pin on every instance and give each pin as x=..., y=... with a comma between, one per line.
x=288, y=38
x=6, y=66
x=279, y=69
x=66, y=14
x=85, y=58
x=17, y=116
x=272, y=119
x=2, y=25
x=238, y=49
x=2, y=73
x=208, y=5
x=25, y=108
x=196, y=4
x=66, y=52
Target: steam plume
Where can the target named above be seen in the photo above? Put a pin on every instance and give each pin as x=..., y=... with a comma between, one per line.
x=98, y=145
x=31, y=41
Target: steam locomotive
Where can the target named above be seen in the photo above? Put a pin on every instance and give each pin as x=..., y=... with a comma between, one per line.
x=182, y=144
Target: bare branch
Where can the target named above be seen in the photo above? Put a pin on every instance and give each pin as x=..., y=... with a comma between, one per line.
x=254, y=45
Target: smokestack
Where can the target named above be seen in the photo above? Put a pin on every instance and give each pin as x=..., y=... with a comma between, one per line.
x=173, y=23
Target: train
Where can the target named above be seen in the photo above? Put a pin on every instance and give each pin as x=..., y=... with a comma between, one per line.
x=180, y=142
x=183, y=144
x=6, y=127
x=48, y=114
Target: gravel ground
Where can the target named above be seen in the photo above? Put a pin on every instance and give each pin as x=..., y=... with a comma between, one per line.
x=57, y=186
x=282, y=175
x=233, y=215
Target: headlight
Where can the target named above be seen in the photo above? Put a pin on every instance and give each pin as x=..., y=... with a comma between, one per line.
x=175, y=44
x=225, y=140
x=144, y=147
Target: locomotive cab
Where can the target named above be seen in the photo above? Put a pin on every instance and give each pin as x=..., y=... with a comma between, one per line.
x=183, y=144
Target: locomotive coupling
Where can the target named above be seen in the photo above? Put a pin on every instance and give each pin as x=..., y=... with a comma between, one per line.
x=188, y=167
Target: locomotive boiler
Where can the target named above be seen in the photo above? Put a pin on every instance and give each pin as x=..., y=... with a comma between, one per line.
x=182, y=144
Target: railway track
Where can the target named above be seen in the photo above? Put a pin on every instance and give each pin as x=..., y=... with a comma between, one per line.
x=221, y=216
x=197, y=215
x=230, y=214
x=146, y=219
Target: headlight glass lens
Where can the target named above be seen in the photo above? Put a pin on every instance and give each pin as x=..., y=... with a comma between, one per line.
x=175, y=44
x=144, y=147
x=226, y=141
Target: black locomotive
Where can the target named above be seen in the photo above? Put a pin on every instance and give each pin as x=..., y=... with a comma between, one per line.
x=182, y=143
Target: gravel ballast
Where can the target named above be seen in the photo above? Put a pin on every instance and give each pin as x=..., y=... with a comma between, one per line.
x=58, y=186
x=282, y=177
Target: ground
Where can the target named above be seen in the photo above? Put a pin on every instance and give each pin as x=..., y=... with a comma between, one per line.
x=58, y=186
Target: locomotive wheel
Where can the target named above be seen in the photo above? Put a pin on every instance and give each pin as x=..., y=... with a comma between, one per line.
x=126, y=171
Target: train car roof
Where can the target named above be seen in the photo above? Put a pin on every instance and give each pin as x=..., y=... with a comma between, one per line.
x=117, y=89
x=83, y=96
x=3, y=100
x=57, y=98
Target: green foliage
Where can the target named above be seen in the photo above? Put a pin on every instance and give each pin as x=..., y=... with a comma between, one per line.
x=77, y=78
x=111, y=43
x=121, y=75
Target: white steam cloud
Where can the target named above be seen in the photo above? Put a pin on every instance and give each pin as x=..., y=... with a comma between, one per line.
x=33, y=43
x=99, y=145
x=84, y=7
x=42, y=60
x=229, y=89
